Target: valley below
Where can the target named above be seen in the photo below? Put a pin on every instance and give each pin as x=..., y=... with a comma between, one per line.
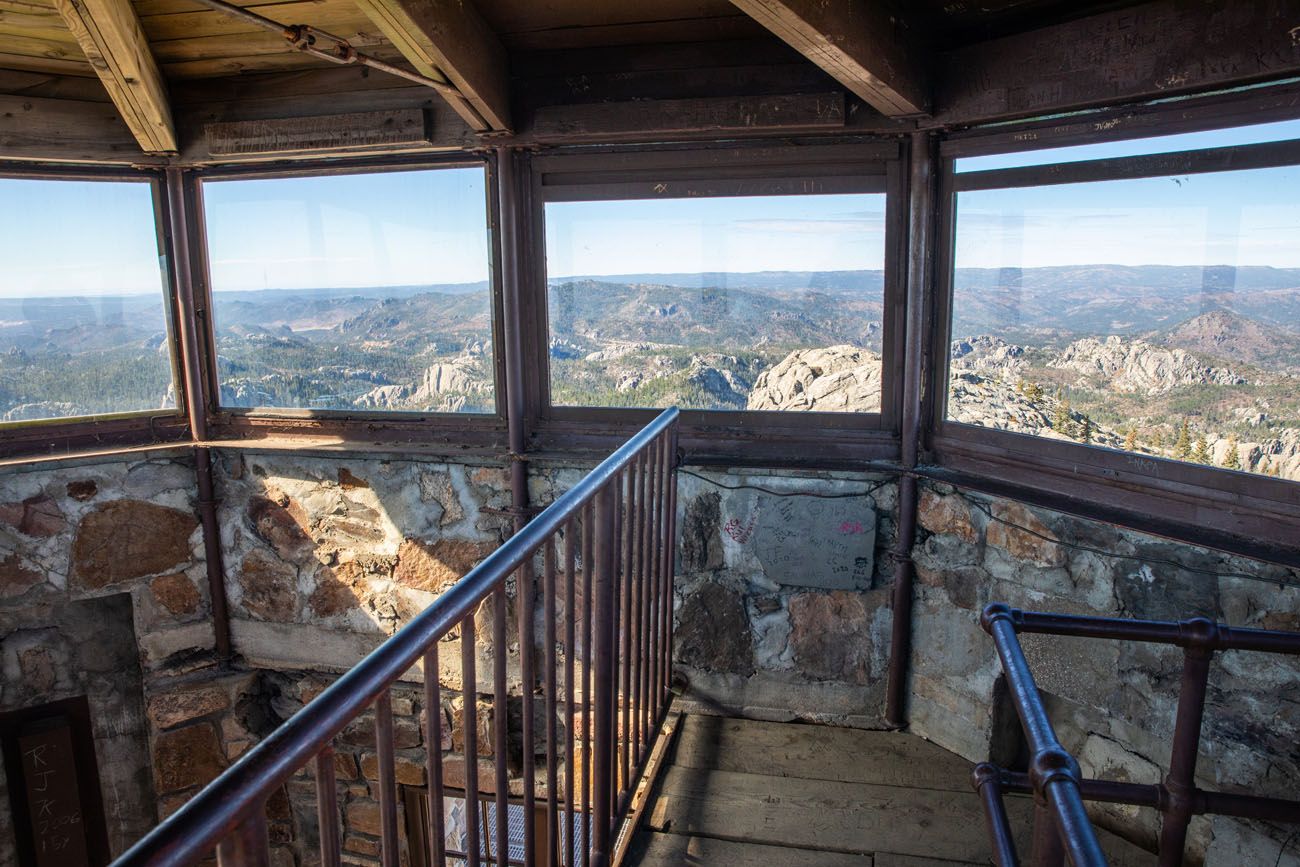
x=1199, y=365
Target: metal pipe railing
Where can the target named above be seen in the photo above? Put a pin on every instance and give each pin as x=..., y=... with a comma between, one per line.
x=1062, y=827
x=229, y=814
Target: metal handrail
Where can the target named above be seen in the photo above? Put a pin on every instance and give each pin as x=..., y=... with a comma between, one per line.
x=1061, y=825
x=240, y=792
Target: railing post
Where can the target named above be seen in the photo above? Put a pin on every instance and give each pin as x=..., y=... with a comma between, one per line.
x=247, y=845
x=606, y=587
x=1180, y=782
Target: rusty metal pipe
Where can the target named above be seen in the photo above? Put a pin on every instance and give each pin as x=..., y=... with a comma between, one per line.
x=1179, y=782
x=921, y=215
x=301, y=37
x=987, y=781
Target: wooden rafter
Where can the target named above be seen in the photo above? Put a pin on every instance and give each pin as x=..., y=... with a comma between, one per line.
x=448, y=39
x=859, y=43
x=112, y=39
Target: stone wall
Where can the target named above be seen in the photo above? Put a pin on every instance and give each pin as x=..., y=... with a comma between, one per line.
x=103, y=594
x=782, y=589
x=1113, y=702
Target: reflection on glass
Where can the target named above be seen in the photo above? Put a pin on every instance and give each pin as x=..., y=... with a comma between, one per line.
x=759, y=303
x=82, y=323
x=1161, y=144
x=353, y=292
x=1158, y=316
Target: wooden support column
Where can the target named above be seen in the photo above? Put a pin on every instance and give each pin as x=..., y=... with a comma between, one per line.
x=859, y=43
x=450, y=41
x=112, y=39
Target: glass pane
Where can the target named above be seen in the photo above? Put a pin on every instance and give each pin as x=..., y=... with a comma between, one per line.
x=353, y=292
x=1160, y=144
x=1158, y=316
x=82, y=324
x=762, y=303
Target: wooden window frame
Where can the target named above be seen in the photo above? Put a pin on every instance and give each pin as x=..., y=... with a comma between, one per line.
x=824, y=439
x=1247, y=512
x=440, y=432
x=120, y=429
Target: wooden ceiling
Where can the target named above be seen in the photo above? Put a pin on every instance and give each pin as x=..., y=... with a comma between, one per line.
x=191, y=41
x=527, y=70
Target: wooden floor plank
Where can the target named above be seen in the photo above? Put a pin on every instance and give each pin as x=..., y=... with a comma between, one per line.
x=818, y=753
x=673, y=850
x=889, y=859
x=832, y=816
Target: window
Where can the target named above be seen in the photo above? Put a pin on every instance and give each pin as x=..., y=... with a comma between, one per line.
x=759, y=302
x=1152, y=314
x=367, y=291
x=83, y=313
x=1283, y=130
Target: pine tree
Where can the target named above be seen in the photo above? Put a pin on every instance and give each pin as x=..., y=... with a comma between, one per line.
x=1131, y=439
x=1085, y=430
x=1201, y=454
x=1183, y=446
x=1061, y=419
x=1158, y=440
x=1232, y=460
x=1034, y=392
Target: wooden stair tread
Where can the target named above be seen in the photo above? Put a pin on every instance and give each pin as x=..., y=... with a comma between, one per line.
x=833, y=816
x=818, y=753
x=662, y=850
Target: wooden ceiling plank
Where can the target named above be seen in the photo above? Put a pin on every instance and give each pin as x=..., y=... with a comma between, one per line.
x=449, y=39
x=1158, y=49
x=860, y=44
x=112, y=39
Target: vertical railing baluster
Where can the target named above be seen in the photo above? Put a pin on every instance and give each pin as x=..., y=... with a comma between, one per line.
x=606, y=590
x=668, y=555
x=469, y=738
x=639, y=608
x=624, y=635
x=570, y=633
x=327, y=808
x=524, y=599
x=552, y=765
x=651, y=581
x=1046, y=847
x=636, y=509
x=1180, y=782
x=387, y=779
x=647, y=600
x=653, y=698
x=500, y=718
x=616, y=591
x=247, y=845
x=433, y=757
x=588, y=661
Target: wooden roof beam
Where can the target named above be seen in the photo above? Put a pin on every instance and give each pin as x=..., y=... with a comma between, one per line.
x=449, y=40
x=860, y=43
x=112, y=39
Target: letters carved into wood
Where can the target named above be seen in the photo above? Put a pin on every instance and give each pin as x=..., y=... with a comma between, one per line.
x=54, y=785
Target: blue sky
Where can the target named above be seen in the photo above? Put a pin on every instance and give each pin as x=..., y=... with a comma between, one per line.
x=421, y=227
x=759, y=233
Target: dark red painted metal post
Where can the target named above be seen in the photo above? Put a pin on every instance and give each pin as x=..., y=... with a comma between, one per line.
x=387, y=780
x=986, y=779
x=606, y=590
x=247, y=845
x=327, y=808
x=433, y=757
x=1180, y=783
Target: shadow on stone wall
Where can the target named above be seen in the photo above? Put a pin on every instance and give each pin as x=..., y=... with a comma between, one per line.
x=1113, y=702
